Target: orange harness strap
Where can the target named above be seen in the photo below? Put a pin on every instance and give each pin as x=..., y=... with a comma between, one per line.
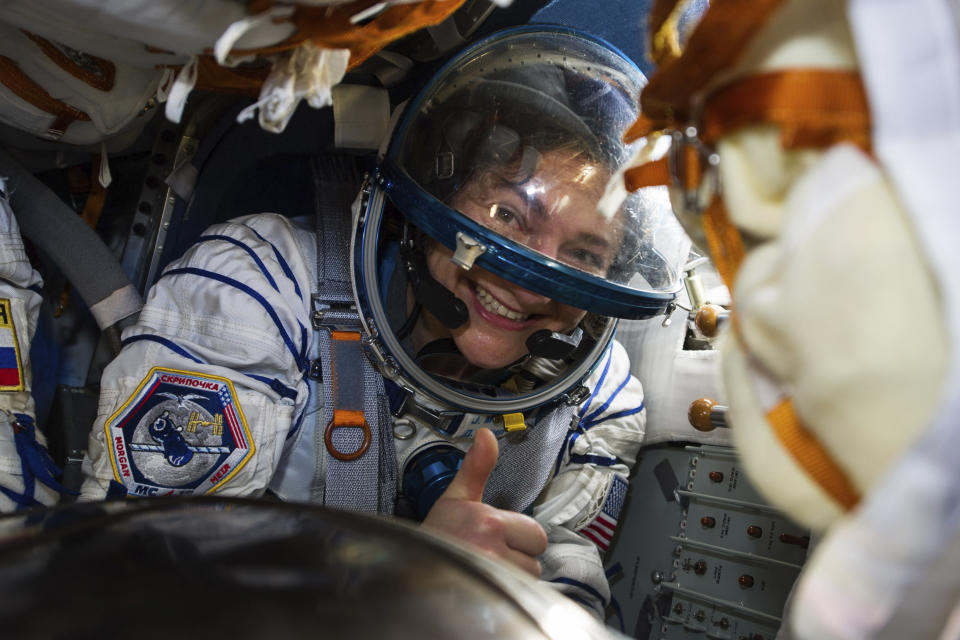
x=100, y=74
x=13, y=77
x=346, y=404
x=811, y=455
x=814, y=108
x=328, y=27
x=724, y=241
x=715, y=45
x=651, y=174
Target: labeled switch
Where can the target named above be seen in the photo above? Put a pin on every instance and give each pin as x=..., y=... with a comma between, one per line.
x=800, y=541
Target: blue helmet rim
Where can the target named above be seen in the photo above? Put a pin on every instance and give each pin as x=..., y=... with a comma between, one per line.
x=517, y=263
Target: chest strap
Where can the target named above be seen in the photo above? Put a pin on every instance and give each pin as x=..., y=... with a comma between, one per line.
x=354, y=434
x=527, y=457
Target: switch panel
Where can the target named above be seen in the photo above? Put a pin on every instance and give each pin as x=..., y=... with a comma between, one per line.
x=699, y=553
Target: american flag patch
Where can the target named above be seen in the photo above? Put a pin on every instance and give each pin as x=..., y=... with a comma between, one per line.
x=601, y=529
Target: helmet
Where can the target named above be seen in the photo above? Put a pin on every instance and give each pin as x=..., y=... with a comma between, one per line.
x=481, y=247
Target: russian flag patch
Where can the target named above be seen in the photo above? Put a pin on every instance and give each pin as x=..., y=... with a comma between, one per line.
x=11, y=367
x=600, y=530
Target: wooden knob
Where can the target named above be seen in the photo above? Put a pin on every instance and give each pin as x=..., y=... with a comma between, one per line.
x=705, y=414
x=699, y=414
x=709, y=319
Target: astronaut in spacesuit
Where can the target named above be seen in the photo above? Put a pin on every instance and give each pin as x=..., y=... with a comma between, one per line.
x=475, y=248
x=27, y=473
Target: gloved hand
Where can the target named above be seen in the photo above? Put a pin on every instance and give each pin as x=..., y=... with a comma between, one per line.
x=460, y=512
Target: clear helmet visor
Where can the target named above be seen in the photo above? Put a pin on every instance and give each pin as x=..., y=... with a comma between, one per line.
x=522, y=138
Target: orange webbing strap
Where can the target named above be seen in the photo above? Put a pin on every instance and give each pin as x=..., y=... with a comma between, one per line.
x=715, y=44
x=26, y=89
x=96, y=72
x=641, y=127
x=242, y=80
x=814, y=108
x=347, y=398
x=330, y=26
x=80, y=182
x=650, y=174
x=724, y=240
x=96, y=197
x=811, y=455
x=727, y=252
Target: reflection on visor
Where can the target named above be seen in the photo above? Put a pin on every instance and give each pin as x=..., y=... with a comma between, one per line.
x=524, y=139
x=546, y=202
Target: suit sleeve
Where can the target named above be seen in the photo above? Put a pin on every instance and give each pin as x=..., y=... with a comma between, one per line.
x=27, y=475
x=209, y=385
x=580, y=506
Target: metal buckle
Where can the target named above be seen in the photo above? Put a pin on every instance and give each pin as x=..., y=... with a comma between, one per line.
x=437, y=419
x=333, y=315
x=696, y=194
x=575, y=397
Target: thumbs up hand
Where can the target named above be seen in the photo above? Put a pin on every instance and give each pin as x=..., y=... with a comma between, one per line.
x=460, y=512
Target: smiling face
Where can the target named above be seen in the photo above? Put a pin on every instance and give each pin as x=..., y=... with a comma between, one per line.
x=546, y=203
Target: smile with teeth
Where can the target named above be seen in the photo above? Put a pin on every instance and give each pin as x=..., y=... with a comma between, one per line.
x=492, y=305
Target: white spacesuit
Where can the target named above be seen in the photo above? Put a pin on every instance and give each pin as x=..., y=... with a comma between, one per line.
x=231, y=382
x=193, y=328
x=26, y=471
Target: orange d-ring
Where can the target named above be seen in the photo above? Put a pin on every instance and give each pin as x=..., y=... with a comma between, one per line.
x=347, y=420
